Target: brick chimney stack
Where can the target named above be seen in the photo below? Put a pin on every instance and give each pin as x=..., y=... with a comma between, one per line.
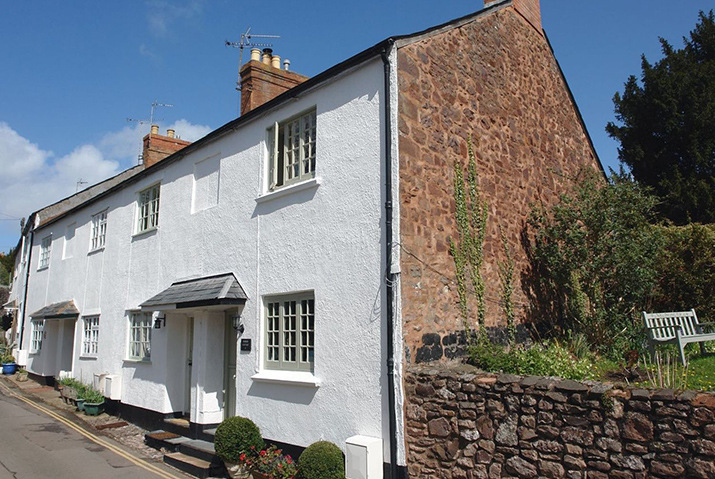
x=262, y=79
x=157, y=147
x=529, y=9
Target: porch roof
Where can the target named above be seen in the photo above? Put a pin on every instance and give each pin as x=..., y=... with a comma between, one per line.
x=62, y=310
x=222, y=289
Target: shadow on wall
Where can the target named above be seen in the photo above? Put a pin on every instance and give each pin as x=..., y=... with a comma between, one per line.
x=283, y=393
x=454, y=345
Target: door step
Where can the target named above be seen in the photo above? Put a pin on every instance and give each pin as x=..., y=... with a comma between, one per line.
x=193, y=456
x=190, y=465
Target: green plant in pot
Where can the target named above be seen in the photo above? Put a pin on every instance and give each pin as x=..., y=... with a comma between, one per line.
x=93, y=402
x=9, y=366
x=21, y=375
x=322, y=460
x=238, y=442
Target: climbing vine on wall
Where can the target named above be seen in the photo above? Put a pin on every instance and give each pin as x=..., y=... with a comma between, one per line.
x=468, y=248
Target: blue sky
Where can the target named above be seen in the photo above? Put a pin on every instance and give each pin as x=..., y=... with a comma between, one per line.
x=72, y=72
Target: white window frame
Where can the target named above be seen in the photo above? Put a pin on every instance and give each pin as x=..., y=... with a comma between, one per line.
x=289, y=332
x=148, y=209
x=140, y=325
x=45, y=251
x=292, y=150
x=90, y=335
x=99, y=231
x=37, y=335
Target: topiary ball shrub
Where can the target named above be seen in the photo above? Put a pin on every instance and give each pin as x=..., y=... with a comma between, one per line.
x=322, y=460
x=236, y=435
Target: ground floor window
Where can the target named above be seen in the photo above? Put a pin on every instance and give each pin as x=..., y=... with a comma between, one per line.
x=90, y=338
x=140, y=336
x=290, y=332
x=37, y=334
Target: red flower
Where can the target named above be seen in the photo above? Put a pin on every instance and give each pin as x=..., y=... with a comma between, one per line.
x=242, y=457
x=263, y=453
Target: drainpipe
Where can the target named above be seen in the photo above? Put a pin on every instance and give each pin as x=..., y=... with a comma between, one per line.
x=27, y=284
x=389, y=276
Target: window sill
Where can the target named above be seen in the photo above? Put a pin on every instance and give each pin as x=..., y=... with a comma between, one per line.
x=289, y=190
x=291, y=378
x=145, y=232
x=137, y=361
x=97, y=250
x=88, y=357
x=42, y=268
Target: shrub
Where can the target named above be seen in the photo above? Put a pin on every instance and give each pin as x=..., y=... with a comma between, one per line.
x=686, y=270
x=322, y=460
x=594, y=263
x=546, y=359
x=237, y=435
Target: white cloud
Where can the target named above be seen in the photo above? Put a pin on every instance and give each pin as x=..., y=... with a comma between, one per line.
x=189, y=132
x=32, y=178
x=162, y=14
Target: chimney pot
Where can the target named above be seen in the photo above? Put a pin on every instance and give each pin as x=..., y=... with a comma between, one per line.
x=255, y=54
x=154, y=129
x=276, y=62
x=170, y=132
x=286, y=64
x=267, y=55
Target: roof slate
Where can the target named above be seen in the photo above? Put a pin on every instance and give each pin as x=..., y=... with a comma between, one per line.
x=64, y=309
x=220, y=289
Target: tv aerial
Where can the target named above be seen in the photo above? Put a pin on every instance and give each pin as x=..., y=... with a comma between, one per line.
x=247, y=42
x=154, y=105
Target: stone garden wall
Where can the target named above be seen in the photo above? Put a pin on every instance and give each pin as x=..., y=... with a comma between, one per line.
x=461, y=423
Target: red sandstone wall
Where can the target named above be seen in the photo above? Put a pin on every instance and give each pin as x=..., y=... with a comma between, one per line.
x=496, y=79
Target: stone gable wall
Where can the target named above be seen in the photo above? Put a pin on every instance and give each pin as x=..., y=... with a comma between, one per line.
x=497, y=80
x=462, y=424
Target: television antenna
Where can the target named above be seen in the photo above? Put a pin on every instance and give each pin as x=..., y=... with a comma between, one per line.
x=79, y=185
x=246, y=42
x=154, y=105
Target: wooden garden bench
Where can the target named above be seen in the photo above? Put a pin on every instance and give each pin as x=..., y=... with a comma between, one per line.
x=678, y=327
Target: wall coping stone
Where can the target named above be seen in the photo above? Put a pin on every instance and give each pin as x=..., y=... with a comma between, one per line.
x=467, y=373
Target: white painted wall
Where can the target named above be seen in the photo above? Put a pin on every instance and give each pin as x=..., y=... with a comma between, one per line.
x=327, y=238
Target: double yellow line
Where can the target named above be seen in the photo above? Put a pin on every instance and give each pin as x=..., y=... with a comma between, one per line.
x=139, y=462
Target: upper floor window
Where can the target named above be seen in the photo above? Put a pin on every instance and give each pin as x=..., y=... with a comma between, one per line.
x=290, y=332
x=140, y=336
x=45, y=249
x=99, y=231
x=148, y=205
x=292, y=150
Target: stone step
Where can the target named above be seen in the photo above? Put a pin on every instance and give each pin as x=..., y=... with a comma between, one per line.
x=188, y=464
x=198, y=448
x=164, y=440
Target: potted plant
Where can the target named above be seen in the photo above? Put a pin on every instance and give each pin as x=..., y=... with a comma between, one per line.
x=21, y=375
x=9, y=366
x=322, y=460
x=237, y=442
x=272, y=464
x=93, y=402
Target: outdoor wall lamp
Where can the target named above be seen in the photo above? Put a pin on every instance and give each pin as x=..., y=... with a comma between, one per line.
x=158, y=320
x=236, y=321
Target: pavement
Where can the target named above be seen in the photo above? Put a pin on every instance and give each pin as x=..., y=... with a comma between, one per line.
x=110, y=432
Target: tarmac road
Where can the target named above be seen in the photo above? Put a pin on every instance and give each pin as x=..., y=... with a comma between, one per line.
x=37, y=442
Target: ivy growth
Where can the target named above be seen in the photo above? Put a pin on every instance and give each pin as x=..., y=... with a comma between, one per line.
x=468, y=251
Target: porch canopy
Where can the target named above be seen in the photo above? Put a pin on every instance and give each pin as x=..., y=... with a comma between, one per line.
x=219, y=290
x=63, y=310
